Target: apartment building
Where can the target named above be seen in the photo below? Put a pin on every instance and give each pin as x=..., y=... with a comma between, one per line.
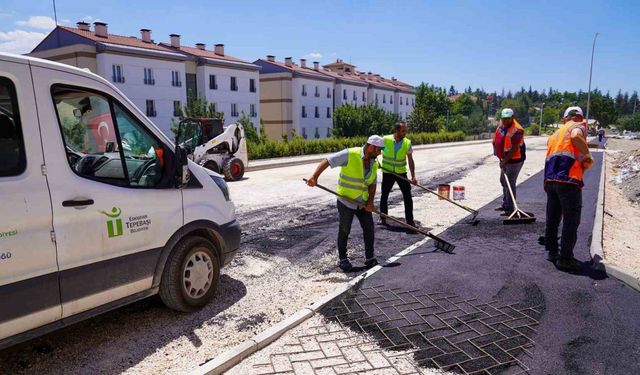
x=295, y=98
x=349, y=87
x=229, y=83
x=159, y=78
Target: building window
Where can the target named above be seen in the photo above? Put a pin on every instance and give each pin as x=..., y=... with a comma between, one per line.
x=317, y=94
x=390, y=99
x=304, y=90
x=304, y=132
x=175, y=79
x=252, y=85
x=252, y=110
x=151, y=108
x=413, y=102
x=177, y=110
x=317, y=112
x=234, y=110
x=355, y=95
x=213, y=85
x=328, y=132
x=376, y=98
x=344, y=94
x=234, y=84
x=364, y=97
x=117, y=74
x=328, y=112
x=317, y=135
x=328, y=92
x=401, y=100
x=148, y=77
x=304, y=111
x=384, y=98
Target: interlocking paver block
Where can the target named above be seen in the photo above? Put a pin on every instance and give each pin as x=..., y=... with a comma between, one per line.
x=303, y=368
x=330, y=349
x=306, y=356
x=353, y=354
x=352, y=367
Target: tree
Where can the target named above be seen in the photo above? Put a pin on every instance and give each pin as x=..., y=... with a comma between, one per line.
x=74, y=133
x=432, y=105
x=464, y=105
x=250, y=131
x=603, y=109
x=197, y=108
x=452, y=91
x=629, y=122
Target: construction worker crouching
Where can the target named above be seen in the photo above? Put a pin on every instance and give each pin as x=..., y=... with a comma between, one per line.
x=509, y=147
x=567, y=158
x=397, y=150
x=357, y=181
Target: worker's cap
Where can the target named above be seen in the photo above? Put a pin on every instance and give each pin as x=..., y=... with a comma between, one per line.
x=377, y=141
x=573, y=111
x=507, y=113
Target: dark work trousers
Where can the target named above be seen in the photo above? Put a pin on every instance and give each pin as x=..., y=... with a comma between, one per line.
x=366, y=222
x=512, y=170
x=564, y=202
x=388, y=180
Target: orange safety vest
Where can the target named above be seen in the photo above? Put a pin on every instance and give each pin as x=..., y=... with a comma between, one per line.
x=513, y=129
x=564, y=163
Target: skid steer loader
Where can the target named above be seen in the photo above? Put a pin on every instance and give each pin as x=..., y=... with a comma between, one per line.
x=222, y=149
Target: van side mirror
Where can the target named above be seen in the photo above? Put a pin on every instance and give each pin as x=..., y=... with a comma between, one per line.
x=181, y=168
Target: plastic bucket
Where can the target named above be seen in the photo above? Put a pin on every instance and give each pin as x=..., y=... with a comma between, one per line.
x=444, y=190
x=458, y=193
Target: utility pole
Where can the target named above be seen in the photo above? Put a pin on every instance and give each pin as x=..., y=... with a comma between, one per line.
x=55, y=14
x=541, y=114
x=593, y=49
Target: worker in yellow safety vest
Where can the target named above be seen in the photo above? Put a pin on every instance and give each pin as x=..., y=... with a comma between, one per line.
x=567, y=158
x=357, y=182
x=509, y=147
x=397, y=151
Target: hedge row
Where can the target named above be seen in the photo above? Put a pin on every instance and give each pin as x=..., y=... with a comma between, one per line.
x=299, y=146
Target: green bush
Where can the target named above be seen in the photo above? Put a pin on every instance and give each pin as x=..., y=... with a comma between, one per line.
x=298, y=146
x=533, y=129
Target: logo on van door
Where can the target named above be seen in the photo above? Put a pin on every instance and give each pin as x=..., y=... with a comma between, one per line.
x=114, y=225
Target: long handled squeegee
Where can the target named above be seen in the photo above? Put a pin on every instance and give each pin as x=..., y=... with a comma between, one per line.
x=473, y=221
x=440, y=244
x=517, y=216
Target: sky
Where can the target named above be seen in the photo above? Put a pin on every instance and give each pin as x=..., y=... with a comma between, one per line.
x=489, y=44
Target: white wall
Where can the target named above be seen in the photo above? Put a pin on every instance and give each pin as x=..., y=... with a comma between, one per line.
x=386, y=104
x=224, y=97
x=405, y=108
x=162, y=93
x=310, y=123
x=340, y=87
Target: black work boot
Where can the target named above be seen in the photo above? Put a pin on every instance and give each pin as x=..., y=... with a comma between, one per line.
x=382, y=222
x=569, y=264
x=345, y=265
x=371, y=262
x=552, y=256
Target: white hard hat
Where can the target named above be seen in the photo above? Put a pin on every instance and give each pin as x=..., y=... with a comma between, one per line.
x=376, y=140
x=576, y=111
x=507, y=113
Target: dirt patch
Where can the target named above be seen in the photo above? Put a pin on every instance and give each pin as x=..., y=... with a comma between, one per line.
x=621, y=239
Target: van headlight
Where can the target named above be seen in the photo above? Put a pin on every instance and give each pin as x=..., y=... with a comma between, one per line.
x=222, y=185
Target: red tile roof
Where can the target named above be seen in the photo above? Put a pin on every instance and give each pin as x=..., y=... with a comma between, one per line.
x=343, y=76
x=297, y=68
x=203, y=53
x=129, y=41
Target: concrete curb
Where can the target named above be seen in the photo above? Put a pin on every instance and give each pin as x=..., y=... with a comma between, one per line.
x=596, y=250
x=310, y=159
x=235, y=355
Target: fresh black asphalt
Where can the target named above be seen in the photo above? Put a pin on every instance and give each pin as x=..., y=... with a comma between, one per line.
x=588, y=323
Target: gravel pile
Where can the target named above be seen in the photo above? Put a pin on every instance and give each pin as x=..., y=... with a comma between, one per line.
x=626, y=173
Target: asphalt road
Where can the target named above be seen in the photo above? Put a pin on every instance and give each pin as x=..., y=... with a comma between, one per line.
x=578, y=323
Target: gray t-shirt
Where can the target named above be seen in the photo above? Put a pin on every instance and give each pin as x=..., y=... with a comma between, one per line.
x=340, y=159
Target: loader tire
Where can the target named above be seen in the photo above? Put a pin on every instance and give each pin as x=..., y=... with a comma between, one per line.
x=233, y=169
x=212, y=166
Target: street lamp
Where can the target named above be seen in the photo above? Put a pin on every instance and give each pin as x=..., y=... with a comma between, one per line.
x=593, y=49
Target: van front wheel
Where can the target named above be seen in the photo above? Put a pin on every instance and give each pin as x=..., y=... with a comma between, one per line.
x=191, y=275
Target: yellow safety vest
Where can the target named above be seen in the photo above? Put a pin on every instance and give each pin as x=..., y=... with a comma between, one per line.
x=392, y=161
x=352, y=183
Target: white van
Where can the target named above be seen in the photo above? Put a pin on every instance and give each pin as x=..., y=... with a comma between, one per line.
x=97, y=207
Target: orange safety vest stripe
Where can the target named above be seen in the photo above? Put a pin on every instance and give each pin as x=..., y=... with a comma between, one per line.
x=507, y=138
x=564, y=161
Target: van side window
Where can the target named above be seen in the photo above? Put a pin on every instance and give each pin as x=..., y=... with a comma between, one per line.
x=144, y=156
x=12, y=154
x=89, y=135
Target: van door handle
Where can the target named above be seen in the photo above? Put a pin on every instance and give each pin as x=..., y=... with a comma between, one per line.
x=76, y=203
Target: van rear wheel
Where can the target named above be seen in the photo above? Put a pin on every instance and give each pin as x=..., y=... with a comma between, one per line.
x=191, y=275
